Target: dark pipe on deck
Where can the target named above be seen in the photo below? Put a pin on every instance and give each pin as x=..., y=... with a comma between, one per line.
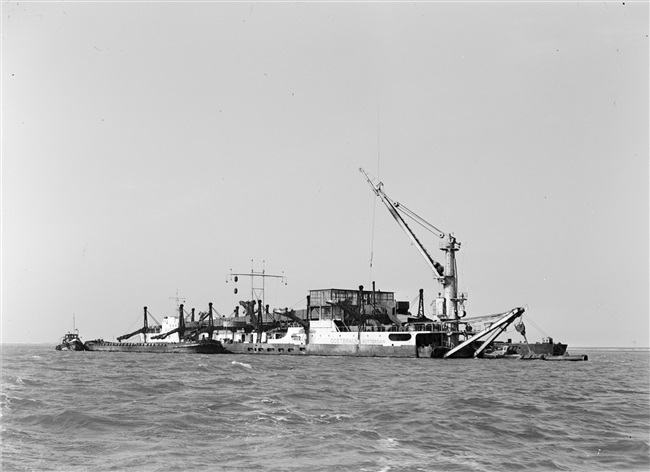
x=308, y=318
x=582, y=357
x=181, y=323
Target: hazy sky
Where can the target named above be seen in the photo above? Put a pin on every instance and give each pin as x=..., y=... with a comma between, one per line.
x=153, y=147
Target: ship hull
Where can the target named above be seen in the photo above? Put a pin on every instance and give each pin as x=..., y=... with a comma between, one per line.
x=71, y=346
x=344, y=350
x=321, y=350
x=202, y=347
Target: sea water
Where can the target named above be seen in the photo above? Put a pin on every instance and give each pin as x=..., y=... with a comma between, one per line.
x=101, y=411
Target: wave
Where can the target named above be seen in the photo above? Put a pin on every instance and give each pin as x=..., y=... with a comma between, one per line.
x=242, y=364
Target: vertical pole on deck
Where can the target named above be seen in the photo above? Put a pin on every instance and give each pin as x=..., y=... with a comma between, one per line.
x=145, y=326
x=362, y=311
x=259, y=321
x=210, y=321
x=181, y=323
x=308, y=318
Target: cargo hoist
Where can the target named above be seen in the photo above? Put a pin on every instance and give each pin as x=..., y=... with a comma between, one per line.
x=450, y=307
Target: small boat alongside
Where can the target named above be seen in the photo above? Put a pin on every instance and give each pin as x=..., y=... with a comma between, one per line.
x=502, y=352
x=546, y=348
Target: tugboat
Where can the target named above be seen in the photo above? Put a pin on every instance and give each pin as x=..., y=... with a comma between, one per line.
x=71, y=341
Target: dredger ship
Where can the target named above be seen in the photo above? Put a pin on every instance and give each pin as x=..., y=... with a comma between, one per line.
x=351, y=322
x=358, y=322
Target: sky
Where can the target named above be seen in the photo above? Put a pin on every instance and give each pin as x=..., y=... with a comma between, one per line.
x=151, y=149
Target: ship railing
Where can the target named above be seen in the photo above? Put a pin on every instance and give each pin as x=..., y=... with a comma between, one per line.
x=407, y=328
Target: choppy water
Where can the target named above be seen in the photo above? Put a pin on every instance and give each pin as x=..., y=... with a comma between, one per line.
x=130, y=411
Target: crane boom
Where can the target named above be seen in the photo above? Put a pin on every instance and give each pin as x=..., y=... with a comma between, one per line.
x=392, y=208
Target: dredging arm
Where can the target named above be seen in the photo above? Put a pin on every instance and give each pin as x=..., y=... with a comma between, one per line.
x=491, y=332
x=291, y=314
x=209, y=329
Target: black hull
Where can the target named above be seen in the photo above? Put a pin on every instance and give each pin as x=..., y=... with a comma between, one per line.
x=200, y=347
x=75, y=346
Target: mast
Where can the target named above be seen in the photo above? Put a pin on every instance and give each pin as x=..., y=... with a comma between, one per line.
x=145, y=326
x=362, y=312
x=210, y=321
x=257, y=292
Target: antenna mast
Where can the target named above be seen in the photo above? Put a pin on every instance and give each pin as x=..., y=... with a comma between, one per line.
x=257, y=292
x=177, y=298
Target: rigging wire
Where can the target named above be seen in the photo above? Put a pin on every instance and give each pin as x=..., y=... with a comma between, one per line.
x=529, y=320
x=419, y=220
x=149, y=314
x=372, y=240
x=374, y=203
x=136, y=321
x=413, y=302
x=298, y=302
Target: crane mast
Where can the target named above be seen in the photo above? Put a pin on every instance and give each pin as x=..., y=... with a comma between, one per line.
x=451, y=305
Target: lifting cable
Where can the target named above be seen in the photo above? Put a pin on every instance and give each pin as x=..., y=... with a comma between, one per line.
x=529, y=320
x=372, y=240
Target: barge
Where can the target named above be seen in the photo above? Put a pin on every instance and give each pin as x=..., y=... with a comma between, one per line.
x=173, y=335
